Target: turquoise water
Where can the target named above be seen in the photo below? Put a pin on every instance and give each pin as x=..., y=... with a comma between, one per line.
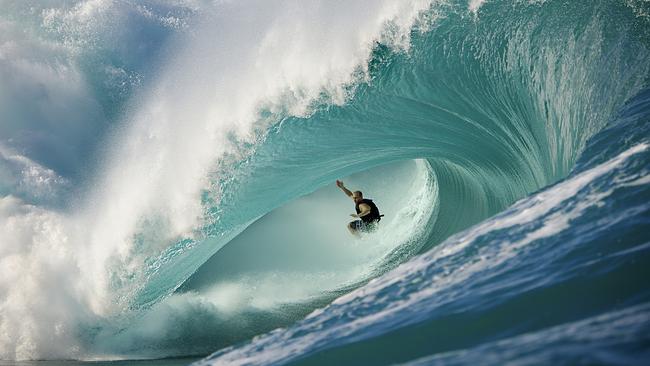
x=167, y=170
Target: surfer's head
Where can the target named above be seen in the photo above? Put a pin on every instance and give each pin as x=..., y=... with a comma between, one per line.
x=357, y=196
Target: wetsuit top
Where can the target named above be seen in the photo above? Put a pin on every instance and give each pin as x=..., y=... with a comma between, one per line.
x=374, y=211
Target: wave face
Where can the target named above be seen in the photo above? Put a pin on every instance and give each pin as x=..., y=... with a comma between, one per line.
x=166, y=181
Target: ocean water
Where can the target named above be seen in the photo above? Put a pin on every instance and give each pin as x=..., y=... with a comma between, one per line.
x=167, y=179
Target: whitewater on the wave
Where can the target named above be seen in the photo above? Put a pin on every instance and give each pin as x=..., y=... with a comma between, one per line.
x=79, y=266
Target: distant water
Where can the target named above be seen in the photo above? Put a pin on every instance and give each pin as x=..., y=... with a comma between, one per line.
x=167, y=170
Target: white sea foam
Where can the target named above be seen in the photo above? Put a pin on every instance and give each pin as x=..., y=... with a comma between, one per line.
x=475, y=5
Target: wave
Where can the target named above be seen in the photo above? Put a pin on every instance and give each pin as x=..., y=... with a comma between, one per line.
x=550, y=279
x=134, y=196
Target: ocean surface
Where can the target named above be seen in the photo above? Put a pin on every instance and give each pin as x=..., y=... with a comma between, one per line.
x=167, y=176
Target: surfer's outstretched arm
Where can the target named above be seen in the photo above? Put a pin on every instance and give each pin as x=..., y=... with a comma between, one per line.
x=345, y=190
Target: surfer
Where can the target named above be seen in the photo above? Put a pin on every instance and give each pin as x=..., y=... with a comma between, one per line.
x=367, y=211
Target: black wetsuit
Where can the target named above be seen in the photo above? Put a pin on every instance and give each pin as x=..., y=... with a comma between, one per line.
x=369, y=219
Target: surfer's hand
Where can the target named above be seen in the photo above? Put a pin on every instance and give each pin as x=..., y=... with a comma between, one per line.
x=354, y=215
x=339, y=184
